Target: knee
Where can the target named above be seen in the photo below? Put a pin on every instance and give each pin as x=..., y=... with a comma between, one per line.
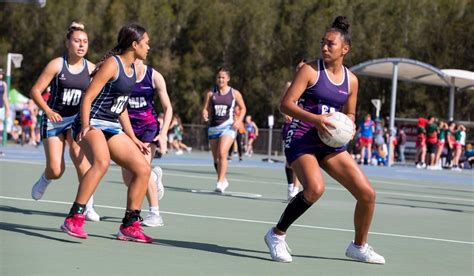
x=368, y=197
x=313, y=193
x=54, y=172
x=101, y=164
x=222, y=155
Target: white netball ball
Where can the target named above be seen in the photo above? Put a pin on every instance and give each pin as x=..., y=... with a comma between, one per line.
x=342, y=134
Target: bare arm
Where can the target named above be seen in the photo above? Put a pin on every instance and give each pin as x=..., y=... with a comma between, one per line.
x=124, y=120
x=162, y=92
x=304, y=77
x=43, y=81
x=205, y=109
x=107, y=71
x=350, y=106
x=243, y=110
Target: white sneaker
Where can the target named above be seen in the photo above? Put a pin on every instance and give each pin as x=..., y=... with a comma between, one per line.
x=279, y=250
x=179, y=152
x=153, y=220
x=364, y=254
x=189, y=149
x=158, y=180
x=221, y=186
x=38, y=189
x=91, y=215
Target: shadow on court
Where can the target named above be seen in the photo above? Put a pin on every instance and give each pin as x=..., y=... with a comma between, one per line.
x=233, y=251
x=426, y=207
x=10, y=209
x=32, y=231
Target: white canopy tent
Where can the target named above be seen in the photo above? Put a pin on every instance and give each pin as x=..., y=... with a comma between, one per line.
x=410, y=70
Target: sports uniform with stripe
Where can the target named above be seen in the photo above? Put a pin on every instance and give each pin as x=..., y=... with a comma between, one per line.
x=110, y=103
x=222, y=114
x=141, y=108
x=324, y=96
x=67, y=89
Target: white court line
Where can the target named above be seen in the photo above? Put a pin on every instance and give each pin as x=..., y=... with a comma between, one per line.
x=253, y=221
x=278, y=184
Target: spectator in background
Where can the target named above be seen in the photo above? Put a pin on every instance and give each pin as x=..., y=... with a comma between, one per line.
x=468, y=156
x=178, y=136
x=460, y=136
x=402, y=140
x=450, y=142
x=442, y=129
x=366, y=130
x=421, y=143
x=4, y=104
x=252, y=134
x=431, y=142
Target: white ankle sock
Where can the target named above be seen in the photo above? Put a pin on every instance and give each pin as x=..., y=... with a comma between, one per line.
x=155, y=209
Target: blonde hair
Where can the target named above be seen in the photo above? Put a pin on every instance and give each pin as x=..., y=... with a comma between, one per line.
x=75, y=26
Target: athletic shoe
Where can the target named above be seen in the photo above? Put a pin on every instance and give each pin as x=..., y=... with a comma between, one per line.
x=279, y=250
x=91, y=215
x=158, y=172
x=457, y=169
x=133, y=232
x=153, y=220
x=179, y=152
x=364, y=254
x=189, y=149
x=73, y=226
x=38, y=189
x=221, y=186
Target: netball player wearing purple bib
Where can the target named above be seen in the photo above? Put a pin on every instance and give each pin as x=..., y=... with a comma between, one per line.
x=321, y=87
x=141, y=110
x=218, y=110
x=99, y=129
x=69, y=77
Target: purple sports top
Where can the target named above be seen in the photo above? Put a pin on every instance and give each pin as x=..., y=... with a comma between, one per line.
x=324, y=96
x=140, y=104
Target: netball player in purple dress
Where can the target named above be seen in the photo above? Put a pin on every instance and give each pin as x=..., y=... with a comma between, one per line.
x=141, y=110
x=321, y=87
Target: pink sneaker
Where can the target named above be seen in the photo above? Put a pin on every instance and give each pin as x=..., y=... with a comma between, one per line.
x=73, y=226
x=133, y=232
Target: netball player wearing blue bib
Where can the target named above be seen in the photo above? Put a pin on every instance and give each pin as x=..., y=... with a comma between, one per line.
x=321, y=87
x=69, y=77
x=98, y=129
x=141, y=110
x=218, y=110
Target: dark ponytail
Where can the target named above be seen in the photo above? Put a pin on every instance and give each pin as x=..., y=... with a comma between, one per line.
x=341, y=25
x=127, y=35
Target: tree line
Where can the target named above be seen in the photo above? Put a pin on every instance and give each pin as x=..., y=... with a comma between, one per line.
x=260, y=41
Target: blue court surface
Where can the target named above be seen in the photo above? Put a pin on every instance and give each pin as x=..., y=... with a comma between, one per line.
x=423, y=224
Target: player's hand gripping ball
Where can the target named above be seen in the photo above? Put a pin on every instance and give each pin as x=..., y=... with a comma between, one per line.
x=342, y=134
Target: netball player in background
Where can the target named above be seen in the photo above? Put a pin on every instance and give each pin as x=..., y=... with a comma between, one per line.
x=69, y=77
x=293, y=182
x=98, y=129
x=218, y=110
x=141, y=110
x=321, y=87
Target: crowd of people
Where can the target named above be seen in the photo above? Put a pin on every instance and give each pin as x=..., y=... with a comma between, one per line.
x=441, y=144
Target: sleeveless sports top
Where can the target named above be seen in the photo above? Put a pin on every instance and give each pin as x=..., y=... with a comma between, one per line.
x=222, y=107
x=68, y=88
x=323, y=97
x=113, y=98
x=141, y=104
